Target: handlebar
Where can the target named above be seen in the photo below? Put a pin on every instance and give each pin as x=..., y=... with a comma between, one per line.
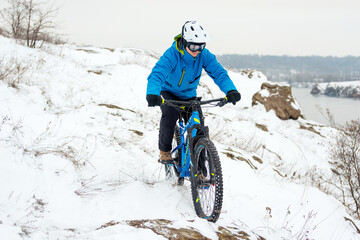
x=221, y=102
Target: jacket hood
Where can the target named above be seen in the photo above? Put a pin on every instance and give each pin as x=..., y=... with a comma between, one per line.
x=178, y=44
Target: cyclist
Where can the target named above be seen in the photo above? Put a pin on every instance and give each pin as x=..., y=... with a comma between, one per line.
x=176, y=76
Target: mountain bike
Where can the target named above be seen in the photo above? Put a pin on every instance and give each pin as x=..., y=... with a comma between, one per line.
x=196, y=158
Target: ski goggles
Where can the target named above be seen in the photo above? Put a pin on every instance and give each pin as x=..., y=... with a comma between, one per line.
x=194, y=47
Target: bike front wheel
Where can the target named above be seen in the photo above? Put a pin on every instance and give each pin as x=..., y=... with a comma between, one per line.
x=206, y=180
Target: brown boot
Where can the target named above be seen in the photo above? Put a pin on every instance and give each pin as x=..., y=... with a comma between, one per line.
x=165, y=157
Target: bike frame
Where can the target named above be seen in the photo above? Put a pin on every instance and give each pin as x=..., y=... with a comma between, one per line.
x=192, y=127
x=186, y=144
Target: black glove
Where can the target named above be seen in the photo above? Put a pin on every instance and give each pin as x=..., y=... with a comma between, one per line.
x=153, y=100
x=233, y=96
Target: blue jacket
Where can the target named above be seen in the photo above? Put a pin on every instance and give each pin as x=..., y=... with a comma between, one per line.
x=179, y=73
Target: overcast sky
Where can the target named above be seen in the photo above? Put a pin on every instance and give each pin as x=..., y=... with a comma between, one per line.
x=277, y=27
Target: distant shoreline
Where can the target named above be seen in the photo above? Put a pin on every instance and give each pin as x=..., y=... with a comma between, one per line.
x=297, y=70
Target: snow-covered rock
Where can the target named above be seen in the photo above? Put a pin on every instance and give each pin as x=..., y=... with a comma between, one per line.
x=349, y=89
x=278, y=97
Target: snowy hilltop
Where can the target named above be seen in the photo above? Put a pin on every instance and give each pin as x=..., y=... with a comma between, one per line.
x=78, y=156
x=349, y=89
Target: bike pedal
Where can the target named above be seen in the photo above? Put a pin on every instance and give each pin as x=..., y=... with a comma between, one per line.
x=166, y=161
x=180, y=181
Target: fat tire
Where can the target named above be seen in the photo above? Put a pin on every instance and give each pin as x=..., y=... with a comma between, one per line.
x=171, y=171
x=178, y=142
x=177, y=137
x=197, y=186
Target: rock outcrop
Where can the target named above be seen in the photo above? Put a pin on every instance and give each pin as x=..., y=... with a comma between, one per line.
x=278, y=98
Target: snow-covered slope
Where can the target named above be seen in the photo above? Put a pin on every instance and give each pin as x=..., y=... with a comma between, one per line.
x=78, y=156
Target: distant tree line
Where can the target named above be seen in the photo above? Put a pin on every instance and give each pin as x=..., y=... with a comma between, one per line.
x=297, y=69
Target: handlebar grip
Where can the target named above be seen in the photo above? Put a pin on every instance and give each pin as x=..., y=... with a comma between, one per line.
x=223, y=102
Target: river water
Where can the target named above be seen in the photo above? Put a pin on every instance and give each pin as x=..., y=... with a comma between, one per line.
x=315, y=107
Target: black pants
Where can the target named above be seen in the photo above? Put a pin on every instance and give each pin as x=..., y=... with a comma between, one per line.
x=168, y=120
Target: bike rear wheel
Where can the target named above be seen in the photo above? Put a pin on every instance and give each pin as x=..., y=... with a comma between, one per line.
x=206, y=180
x=171, y=170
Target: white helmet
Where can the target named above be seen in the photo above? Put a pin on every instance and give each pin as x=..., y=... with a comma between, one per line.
x=194, y=32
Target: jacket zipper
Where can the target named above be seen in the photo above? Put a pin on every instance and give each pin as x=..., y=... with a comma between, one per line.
x=182, y=76
x=194, y=68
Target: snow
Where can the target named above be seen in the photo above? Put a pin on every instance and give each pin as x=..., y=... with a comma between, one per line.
x=78, y=149
x=344, y=84
x=344, y=89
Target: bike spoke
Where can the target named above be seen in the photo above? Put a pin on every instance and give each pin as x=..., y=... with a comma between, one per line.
x=206, y=198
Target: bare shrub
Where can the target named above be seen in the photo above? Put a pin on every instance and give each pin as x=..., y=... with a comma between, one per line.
x=90, y=187
x=29, y=223
x=250, y=143
x=13, y=71
x=31, y=21
x=346, y=166
x=3, y=119
x=75, y=149
x=328, y=115
x=302, y=230
x=3, y=32
x=78, y=150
